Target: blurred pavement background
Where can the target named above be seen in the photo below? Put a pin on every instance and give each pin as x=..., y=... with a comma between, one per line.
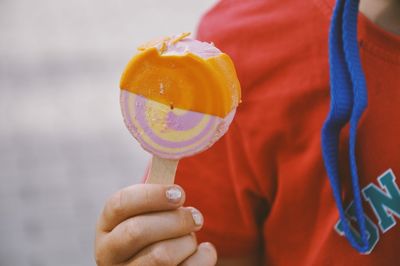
x=63, y=145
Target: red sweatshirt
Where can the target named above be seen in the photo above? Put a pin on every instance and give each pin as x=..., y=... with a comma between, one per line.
x=263, y=186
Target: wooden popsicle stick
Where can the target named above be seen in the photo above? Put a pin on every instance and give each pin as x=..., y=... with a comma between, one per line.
x=162, y=171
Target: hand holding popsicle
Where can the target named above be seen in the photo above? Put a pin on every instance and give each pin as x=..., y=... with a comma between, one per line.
x=146, y=224
x=178, y=97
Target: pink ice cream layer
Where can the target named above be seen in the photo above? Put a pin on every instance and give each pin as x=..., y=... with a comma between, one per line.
x=134, y=109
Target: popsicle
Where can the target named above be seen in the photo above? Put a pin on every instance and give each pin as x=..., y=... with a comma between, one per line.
x=178, y=97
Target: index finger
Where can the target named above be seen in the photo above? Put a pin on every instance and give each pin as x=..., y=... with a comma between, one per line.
x=139, y=199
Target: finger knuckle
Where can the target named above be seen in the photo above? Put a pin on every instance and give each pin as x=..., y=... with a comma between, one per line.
x=114, y=205
x=133, y=230
x=99, y=260
x=160, y=256
x=147, y=196
x=99, y=256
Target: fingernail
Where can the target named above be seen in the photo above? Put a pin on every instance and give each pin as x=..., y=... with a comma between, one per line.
x=197, y=216
x=173, y=194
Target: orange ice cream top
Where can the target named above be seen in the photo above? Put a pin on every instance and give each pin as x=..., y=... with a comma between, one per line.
x=186, y=81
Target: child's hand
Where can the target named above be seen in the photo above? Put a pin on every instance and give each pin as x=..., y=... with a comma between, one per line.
x=147, y=225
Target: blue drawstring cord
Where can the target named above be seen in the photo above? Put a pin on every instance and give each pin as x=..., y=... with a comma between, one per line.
x=348, y=103
x=359, y=104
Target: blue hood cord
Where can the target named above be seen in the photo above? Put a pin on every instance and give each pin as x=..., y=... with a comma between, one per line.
x=348, y=102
